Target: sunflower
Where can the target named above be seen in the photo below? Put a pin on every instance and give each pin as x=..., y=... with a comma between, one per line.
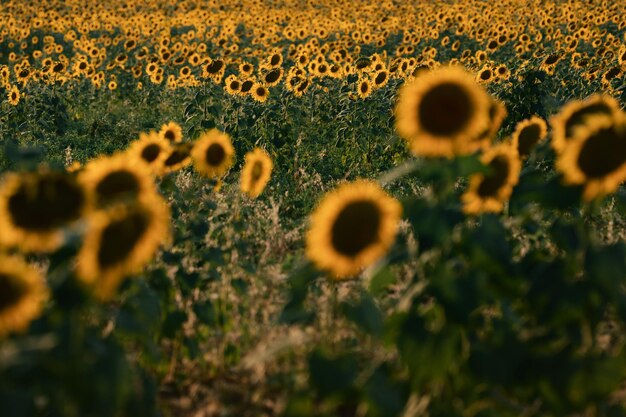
x=35, y=208
x=488, y=192
x=259, y=92
x=364, y=87
x=178, y=158
x=14, y=96
x=172, y=132
x=485, y=75
x=596, y=156
x=272, y=77
x=232, y=85
x=256, y=172
x=529, y=133
x=352, y=227
x=442, y=112
x=151, y=148
x=574, y=115
x=23, y=293
x=380, y=78
x=119, y=242
x=213, y=153
x=117, y=179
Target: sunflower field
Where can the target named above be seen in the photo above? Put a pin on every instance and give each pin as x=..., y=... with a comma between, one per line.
x=312, y=208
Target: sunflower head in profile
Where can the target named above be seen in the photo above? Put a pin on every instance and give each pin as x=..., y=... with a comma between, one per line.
x=442, y=112
x=23, y=293
x=213, y=154
x=172, y=132
x=575, y=114
x=36, y=208
x=178, y=158
x=596, y=156
x=488, y=192
x=529, y=133
x=119, y=242
x=256, y=172
x=352, y=227
x=152, y=149
x=119, y=179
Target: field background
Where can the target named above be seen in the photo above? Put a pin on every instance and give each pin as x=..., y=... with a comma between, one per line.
x=468, y=316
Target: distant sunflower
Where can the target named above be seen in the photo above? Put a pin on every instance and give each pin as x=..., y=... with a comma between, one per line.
x=596, y=156
x=574, y=115
x=364, y=87
x=488, y=192
x=352, y=227
x=213, y=153
x=485, y=75
x=232, y=85
x=442, y=112
x=118, y=179
x=14, y=96
x=259, y=92
x=151, y=148
x=178, y=157
x=23, y=293
x=529, y=133
x=256, y=172
x=35, y=208
x=380, y=78
x=119, y=242
x=172, y=132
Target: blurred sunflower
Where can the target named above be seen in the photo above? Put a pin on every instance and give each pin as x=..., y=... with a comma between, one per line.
x=488, y=192
x=575, y=114
x=213, y=153
x=256, y=172
x=23, y=293
x=442, y=112
x=178, y=158
x=36, y=207
x=529, y=133
x=117, y=179
x=172, y=132
x=352, y=227
x=119, y=242
x=151, y=148
x=596, y=156
x=364, y=87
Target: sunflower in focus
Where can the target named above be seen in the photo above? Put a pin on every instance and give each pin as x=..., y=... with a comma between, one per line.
x=151, y=148
x=259, y=92
x=119, y=179
x=178, y=158
x=364, y=87
x=488, y=192
x=596, y=156
x=172, y=132
x=14, y=96
x=23, y=293
x=213, y=153
x=256, y=172
x=442, y=112
x=35, y=208
x=575, y=114
x=529, y=133
x=352, y=227
x=119, y=242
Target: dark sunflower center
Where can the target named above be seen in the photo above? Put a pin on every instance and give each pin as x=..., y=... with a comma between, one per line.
x=170, y=135
x=120, y=237
x=275, y=59
x=552, y=59
x=10, y=292
x=151, y=152
x=46, y=204
x=356, y=227
x=215, y=154
x=215, y=66
x=257, y=171
x=578, y=117
x=528, y=138
x=116, y=186
x=497, y=178
x=260, y=91
x=177, y=156
x=445, y=109
x=485, y=75
x=246, y=86
x=364, y=87
x=602, y=153
x=234, y=85
x=272, y=76
x=380, y=78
